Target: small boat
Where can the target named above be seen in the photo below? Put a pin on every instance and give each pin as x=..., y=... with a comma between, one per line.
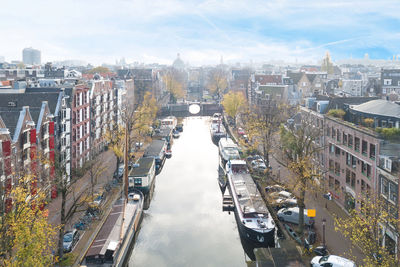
x=168, y=154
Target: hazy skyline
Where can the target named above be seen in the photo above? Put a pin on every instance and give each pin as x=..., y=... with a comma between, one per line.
x=201, y=31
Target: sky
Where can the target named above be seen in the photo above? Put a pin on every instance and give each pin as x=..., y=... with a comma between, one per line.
x=101, y=31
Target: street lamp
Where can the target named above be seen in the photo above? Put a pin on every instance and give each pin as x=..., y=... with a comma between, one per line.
x=323, y=232
x=279, y=173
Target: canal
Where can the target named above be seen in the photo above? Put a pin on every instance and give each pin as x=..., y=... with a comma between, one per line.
x=185, y=225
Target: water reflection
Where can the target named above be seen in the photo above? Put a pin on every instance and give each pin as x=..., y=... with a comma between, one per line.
x=185, y=225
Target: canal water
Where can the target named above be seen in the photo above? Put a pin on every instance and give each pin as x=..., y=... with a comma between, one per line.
x=185, y=225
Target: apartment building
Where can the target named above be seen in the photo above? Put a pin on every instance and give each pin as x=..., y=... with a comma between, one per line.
x=102, y=112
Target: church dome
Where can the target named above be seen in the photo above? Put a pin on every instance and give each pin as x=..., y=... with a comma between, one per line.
x=178, y=63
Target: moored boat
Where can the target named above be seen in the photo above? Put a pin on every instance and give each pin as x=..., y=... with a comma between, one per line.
x=143, y=175
x=157, y=150
x=113, y=241
x=217, y=130
x=252, y=216
x=169, y=122
x=228, y=150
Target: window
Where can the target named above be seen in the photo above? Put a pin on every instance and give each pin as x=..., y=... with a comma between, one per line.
x=338, y=135
x=384, y=187
x=331, y=183
x=350, y=140
x=138, y=181
x=387, y=81
x=337, y=151
x=328, y=131
x=357, y=144
x=333, y=133
x=353, y=179
x=348, y=176
x=331, y=166
x=344, y=139
x=337, y=185
x=372, y=151
x=364, y=148
x=362, y=186
x=337, y=168
x=331, y=148
x=393, y=192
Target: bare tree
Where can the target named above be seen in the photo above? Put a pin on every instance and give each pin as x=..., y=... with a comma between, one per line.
x=300, y=147
x=217, y=82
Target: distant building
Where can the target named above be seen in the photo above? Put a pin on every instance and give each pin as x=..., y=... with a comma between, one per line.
x=2, y=59
x=178, y=63
x=31, y=56
x=390, y=81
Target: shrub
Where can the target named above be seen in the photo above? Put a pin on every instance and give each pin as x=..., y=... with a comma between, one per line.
x=337, y=113
x=389, y=133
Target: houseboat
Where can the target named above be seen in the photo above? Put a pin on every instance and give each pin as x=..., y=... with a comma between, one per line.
x=169, y=122
x=252, y=216
x=156, y=150
x=228, y=150
x=113, y=242
x=217, y=130
x=142, y=176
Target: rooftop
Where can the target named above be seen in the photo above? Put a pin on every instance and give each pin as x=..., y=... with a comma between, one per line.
x=379, y=107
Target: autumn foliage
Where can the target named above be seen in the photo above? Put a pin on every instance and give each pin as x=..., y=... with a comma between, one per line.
x=29, y=239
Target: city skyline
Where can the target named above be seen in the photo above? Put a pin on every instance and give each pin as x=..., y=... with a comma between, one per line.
x=201, y=31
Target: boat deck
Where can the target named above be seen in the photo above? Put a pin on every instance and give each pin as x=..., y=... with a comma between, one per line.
x=250, y=199
x=108, y=239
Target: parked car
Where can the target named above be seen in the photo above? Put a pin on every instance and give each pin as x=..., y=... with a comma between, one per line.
x=258, y=164
x=274, y=188
x=281, y=203
x=292, y=215
x=70, y=239
x=120, y=172
x=331, y=261
x=98, y=199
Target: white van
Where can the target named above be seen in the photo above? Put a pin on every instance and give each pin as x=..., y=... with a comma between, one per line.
x=292, y=215
x=331, y=261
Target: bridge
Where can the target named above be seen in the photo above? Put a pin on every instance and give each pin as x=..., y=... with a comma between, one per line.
x=190, y=109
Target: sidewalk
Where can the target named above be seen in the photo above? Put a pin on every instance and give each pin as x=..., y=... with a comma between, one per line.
x=336, y=243
x=109, y=161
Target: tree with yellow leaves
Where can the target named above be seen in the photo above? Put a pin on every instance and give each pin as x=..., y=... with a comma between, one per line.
x=262, y=122
x=217, y=82
x=174, y=83
x=31, y=237
x=364, y=227
x=137, y=120
x=233, y=103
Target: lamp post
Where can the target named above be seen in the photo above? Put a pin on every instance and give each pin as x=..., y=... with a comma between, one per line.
x=279, y=173
x=323, y=232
